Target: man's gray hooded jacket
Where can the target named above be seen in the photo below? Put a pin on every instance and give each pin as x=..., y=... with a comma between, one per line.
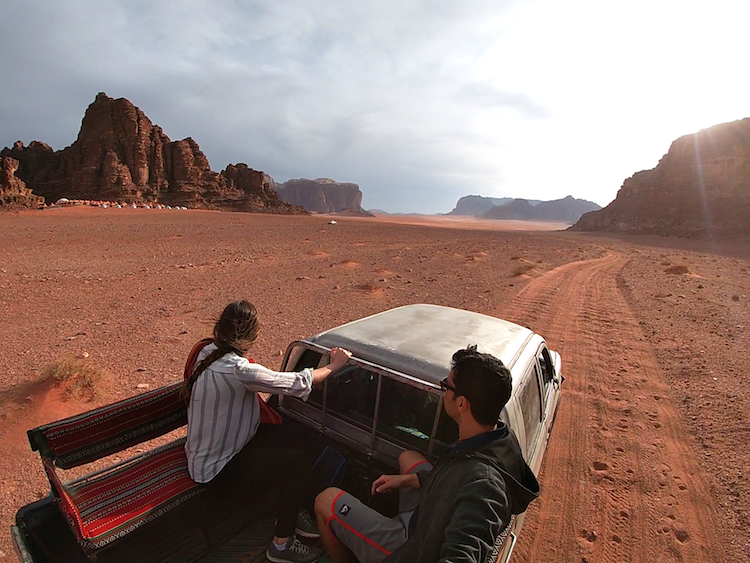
x=466, y=501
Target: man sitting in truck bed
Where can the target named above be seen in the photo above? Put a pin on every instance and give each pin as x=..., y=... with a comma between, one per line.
x=454, y=510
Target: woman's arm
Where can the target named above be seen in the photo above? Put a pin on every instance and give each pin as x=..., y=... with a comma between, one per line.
x=339, y=357
x=260, y=379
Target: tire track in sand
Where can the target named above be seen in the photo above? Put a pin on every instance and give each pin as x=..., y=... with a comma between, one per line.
x=620, y=482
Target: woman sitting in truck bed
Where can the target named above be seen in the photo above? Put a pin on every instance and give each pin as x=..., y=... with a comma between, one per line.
x=227, y=445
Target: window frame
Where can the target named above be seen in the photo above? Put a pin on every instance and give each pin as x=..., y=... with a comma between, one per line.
x=532, y=376
x=368, y=441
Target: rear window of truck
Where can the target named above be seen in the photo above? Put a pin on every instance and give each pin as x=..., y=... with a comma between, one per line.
x=406, y=415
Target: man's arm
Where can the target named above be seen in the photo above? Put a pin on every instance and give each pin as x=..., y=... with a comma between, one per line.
x=481, y=512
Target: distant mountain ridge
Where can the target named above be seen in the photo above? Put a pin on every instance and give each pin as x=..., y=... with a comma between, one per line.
x=476, y=205
x=566, y=210
x=700, y=188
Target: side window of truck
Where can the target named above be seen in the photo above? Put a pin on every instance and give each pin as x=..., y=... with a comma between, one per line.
x=530, y=399
x=548, y=370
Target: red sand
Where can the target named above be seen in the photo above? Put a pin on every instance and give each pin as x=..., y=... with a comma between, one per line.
x=647, y=458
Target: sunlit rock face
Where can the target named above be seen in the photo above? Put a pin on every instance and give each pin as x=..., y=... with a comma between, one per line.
x=700, y=188
x=258, y=189
x=13, y=191
x=120, y=155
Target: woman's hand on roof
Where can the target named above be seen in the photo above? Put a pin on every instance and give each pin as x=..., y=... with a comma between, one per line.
x=339, y=358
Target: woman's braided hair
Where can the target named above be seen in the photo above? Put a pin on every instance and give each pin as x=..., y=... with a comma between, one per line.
x=235, y=331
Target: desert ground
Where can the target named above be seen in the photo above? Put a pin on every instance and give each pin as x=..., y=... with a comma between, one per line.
x=649, y=458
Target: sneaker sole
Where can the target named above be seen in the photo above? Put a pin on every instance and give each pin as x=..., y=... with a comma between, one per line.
x=279, y=560
x=309, y=535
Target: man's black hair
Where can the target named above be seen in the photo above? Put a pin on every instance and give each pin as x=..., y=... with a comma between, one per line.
x=484, y=381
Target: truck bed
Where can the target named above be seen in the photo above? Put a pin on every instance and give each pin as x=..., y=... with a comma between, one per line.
x=206, y=529
x=232, y=535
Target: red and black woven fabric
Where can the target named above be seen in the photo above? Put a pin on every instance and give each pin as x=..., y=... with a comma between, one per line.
x=101, y=432
x=110, y=505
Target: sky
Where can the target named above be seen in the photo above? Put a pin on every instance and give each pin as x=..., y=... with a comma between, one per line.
x=418, y=102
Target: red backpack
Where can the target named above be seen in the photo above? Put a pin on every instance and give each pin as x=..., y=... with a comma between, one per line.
x=267, y=414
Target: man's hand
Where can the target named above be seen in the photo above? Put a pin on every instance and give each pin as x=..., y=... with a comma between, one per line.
x=387, y=483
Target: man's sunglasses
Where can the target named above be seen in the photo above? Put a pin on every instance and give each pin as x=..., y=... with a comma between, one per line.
x=445, y=386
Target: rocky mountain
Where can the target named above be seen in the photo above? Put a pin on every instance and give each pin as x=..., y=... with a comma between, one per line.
x=13, y=191
x=121, y=155
x=566, y=210
x=700, y=188
x=476, y=205
x=259, y=188
x=517, y=209
x=323, y=195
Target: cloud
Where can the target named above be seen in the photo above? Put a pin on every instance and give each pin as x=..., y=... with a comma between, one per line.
x=420, y=102
x=485, y=95
x=355, y=91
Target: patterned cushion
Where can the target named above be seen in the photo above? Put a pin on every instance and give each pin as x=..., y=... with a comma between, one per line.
x=109, y=505
x=100, y=432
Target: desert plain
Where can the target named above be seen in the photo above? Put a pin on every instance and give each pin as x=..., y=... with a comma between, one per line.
x=649, y=458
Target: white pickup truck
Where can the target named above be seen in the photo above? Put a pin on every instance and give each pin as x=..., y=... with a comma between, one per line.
x=387, y=399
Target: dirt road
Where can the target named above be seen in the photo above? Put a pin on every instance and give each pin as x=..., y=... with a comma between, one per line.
x=620, y=453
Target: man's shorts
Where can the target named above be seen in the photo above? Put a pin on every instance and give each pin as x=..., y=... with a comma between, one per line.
x=370, y=535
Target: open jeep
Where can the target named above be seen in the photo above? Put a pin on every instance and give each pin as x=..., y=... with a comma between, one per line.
x=387, y=399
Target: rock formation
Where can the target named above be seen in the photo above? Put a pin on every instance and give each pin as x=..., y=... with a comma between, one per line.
x=120, y=155
x=323, y=195
x=517, y=209
x=567, y=210
x=13, y=192
x=476, y=205
x=701, y=187
x=259, y=188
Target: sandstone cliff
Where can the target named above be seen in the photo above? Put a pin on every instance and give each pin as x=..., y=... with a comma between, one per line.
x=121, y=155
x=323, y=195
x=259, y=189
x=13, y=192
x=701, y=187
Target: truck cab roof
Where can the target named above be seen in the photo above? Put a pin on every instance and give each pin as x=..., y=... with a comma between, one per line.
x=420, y=340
